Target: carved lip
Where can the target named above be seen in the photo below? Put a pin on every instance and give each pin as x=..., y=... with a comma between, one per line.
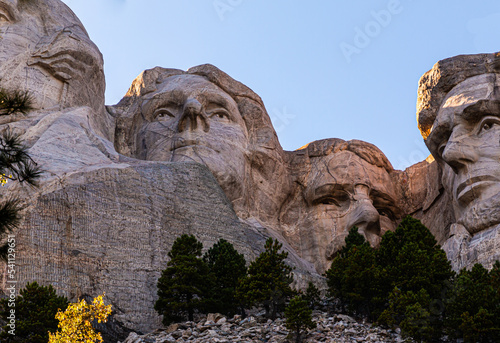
x=190, y=143
x=465, y=191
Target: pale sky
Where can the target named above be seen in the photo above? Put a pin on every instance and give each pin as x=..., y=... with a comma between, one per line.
x=337, y=68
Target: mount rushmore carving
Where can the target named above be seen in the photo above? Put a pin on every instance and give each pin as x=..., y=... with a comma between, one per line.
x=195, y=152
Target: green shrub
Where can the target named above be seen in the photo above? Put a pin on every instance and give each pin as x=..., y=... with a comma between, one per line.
x=35, y=314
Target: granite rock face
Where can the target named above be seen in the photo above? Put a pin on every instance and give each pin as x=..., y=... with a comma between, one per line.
x=338, y=184
x=103, y=221
x=195, y=152
x=459, y=118
x=45, y=50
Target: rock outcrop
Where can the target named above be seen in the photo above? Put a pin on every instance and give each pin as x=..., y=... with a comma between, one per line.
x=459, y=118
x=336, y=328
x=195, y=152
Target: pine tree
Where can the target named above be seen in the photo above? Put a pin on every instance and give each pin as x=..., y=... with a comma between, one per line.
x=298, y=316
x=15, y=164
x=227, y=267
x=35, y=314
x=413, y=260
x=353, y=276
x=184, y=286
x=268, y=281
x=312, y=296
x=473, y=308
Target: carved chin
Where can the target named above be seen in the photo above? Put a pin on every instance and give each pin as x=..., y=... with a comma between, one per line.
x=482, y=216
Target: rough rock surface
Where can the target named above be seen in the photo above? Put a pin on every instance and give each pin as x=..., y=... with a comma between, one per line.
x=337, y=185
x=217, y=328
x=45, y=50
x=195, y=152
x=459, y=118
x=102, y=222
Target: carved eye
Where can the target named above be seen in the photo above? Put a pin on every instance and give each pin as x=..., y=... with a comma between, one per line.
x=220, y=115
x=163, y=114
x=385, y=212
x=338, y=198
x=328, y=200
x=487, y=126
x=488, y=123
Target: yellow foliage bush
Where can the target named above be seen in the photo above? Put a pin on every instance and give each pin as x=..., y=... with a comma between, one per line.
x=75, y=324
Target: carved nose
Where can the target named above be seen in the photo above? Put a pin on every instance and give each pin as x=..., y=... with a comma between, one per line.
x=366, y=218
x=364, y=215
x=193, y=117
x=458, y=154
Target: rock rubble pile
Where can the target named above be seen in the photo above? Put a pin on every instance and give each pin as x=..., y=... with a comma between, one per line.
x=216, y=328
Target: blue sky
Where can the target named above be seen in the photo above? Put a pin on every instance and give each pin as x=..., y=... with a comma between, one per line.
x=338, y=68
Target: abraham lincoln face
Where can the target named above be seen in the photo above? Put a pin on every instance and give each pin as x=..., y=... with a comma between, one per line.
x=45, y=51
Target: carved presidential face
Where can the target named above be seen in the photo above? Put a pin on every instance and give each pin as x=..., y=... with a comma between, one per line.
x=46, y=51
x=465, y=139
x=341, y=191
x=190, y=119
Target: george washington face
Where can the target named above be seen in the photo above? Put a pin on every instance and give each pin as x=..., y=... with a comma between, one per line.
x=45, y=51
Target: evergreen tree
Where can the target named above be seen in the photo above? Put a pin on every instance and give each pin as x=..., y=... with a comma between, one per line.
x=312, y=296
x=412, y=260
x=268, y=281
x=227, y=267
x=353, y=276
x=184, y=286
x=473, y=308
x=15, y=164
x=298, y=316
x=35, y=314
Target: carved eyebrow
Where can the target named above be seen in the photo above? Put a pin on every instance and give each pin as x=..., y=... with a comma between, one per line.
x=328, y=188
x=482, y=107
x=215, y=98
x=10, y=9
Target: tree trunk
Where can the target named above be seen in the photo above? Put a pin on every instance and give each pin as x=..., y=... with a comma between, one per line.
x=297, y=336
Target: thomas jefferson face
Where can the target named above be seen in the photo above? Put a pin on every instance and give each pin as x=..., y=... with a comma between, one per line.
x=465, y=139
x=190, y=119
x=45, y=50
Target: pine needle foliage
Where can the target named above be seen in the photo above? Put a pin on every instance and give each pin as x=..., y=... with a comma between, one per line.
x=185, y=286
x=298, y=317
x=15, y=163
x=35, y=314
x=228, y=267
x=15, y=101
x=268, y=281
